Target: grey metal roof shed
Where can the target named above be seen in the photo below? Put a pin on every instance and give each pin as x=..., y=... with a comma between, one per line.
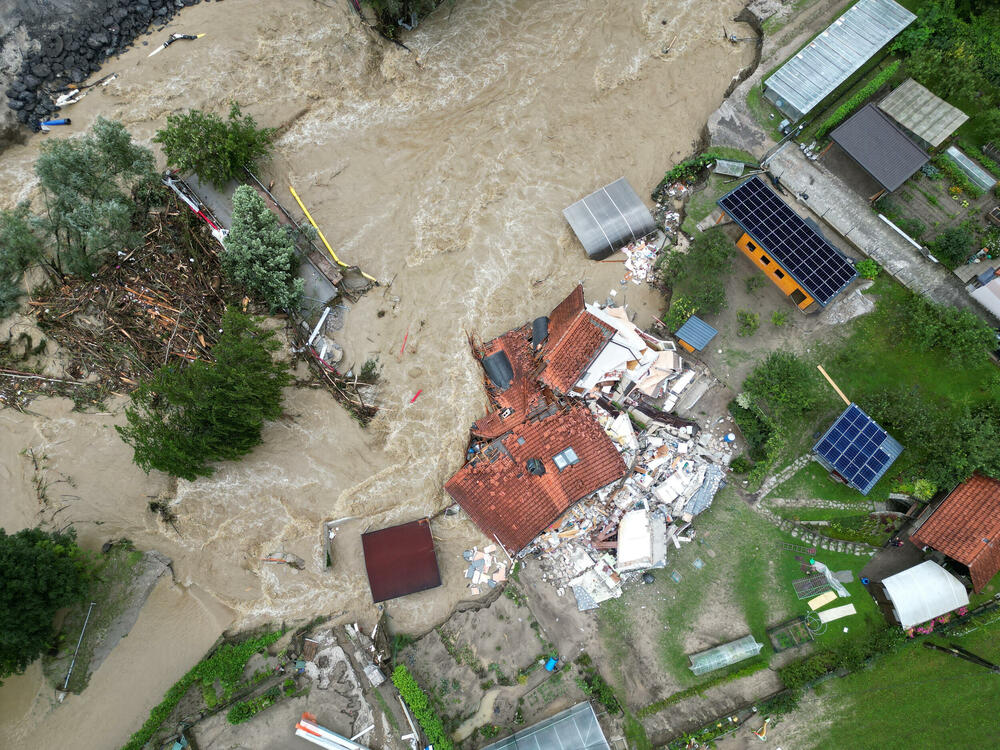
x=927, y=117
x=576, y=727
x=834, y=55
x=880, y=147
x=696, y=333
x=610, y=218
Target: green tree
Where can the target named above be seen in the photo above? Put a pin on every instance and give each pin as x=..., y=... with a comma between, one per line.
x=184, y=418
x=260, y=254
x=929, y=325
x=785, y=383
x=87, y=188
x=19, y=248
x=215, y=150
x=698, y=277
x=42, y=572
x=953, y=246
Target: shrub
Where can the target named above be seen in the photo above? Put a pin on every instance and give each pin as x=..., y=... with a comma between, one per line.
x=698, y=277
x=754, y=282
x=260, y=254
x=215, y=150
x=417, y=700
x=779, y=318
x=741, y=464
x=596, y=686
x=184, y=418
x=785, y=383
x=844, y=110
x=953, y=246
x=681, y=308
x=748, y=322
x=19, y=248
x=930, y=325
x=747, y=669
x=956, y=176
x=850, y=655
x=867, y=268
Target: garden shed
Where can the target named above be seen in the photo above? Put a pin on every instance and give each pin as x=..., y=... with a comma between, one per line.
x=695, y=334
x=880, y=147
x=857, y=449
x=928, y=118
x=400, y=560
x=575, y=727
x=724, y=655
x=923, y=592
x=610, y=218
x=834, y=55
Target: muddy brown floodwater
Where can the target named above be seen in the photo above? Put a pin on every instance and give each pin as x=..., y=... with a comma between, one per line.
x=445, y=170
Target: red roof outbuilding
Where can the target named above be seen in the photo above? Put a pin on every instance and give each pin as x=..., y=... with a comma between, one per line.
x=400, y=560
x=966, y=527
x=505, y=499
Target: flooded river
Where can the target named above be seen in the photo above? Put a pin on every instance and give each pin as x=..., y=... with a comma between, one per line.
x=445, y=170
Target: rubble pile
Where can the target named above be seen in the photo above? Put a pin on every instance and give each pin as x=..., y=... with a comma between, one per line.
x=486, y=569
x=611, y=538
x=640, y=256
x=665, y=213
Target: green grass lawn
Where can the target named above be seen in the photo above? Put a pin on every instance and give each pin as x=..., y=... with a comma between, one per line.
x=812, y=481
x=760, y=575
x=916, y=698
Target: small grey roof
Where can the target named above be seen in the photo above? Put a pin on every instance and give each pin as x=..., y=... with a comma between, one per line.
x=833, y=56
x=927, y=116
x=731, y=168
x=610, y=218
x=883, y=150
x=696, y=332
x=576, y=727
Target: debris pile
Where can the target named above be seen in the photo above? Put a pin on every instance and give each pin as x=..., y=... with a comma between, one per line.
x=486, y=569
x=665, y=213
x=609, y=539
x=640, y=256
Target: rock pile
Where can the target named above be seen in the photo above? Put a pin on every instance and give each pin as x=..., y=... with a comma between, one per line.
x=61, y=48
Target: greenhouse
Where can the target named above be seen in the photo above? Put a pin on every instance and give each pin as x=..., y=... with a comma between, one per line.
x=724, y=655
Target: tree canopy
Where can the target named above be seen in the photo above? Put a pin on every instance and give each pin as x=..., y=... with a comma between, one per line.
x=87, y=190
x=42, y=572
x=214, y=149
x=19, y=248
x=184, y=418
x=697, y=278
x=260, y=254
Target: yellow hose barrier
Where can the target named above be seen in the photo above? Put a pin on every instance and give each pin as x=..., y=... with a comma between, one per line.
x=320, y=233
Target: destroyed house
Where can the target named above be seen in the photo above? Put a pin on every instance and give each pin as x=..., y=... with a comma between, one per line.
x=518, y=484
x=965, y=528
x=790, y=251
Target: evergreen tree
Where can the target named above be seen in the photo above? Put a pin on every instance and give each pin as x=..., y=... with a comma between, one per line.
x=87, y=185
x=260, y=254
x=19, y=248
x=42, y=572
x=215, y=150
x=184, y=418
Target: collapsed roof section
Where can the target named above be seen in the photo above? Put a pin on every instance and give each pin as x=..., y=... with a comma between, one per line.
x=514, y=504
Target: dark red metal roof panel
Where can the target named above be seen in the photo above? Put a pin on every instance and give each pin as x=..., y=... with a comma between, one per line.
x=400, y=560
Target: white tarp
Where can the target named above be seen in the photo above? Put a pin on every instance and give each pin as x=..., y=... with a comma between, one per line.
x=923, y=592
x=635, y=542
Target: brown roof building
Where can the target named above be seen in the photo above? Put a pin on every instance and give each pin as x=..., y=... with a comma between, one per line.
x=400, y=560
x=523, y=481
x=966, y=528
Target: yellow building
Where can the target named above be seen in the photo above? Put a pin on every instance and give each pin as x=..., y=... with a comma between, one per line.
x=790, y=251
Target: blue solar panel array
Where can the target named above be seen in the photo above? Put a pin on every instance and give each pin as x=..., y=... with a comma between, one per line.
x=818, y=266
x=857, y=449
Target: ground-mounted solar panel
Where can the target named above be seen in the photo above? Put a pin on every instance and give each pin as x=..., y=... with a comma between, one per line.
x=858, y=449
x=819, y=267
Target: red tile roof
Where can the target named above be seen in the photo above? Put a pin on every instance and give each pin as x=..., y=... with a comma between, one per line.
x=564, y=314
x=567, y=357
x=400, y=560
x=522, y=396
x=503, y=498
x=966, y=527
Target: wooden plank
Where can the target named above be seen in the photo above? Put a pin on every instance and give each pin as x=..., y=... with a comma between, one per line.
x=829, y=615
x=822, y=600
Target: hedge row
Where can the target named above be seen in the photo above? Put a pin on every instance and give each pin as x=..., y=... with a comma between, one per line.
x=226, y=665
x=850, y=655
x=754, y=666
x=417, y=700
x=844, y=110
